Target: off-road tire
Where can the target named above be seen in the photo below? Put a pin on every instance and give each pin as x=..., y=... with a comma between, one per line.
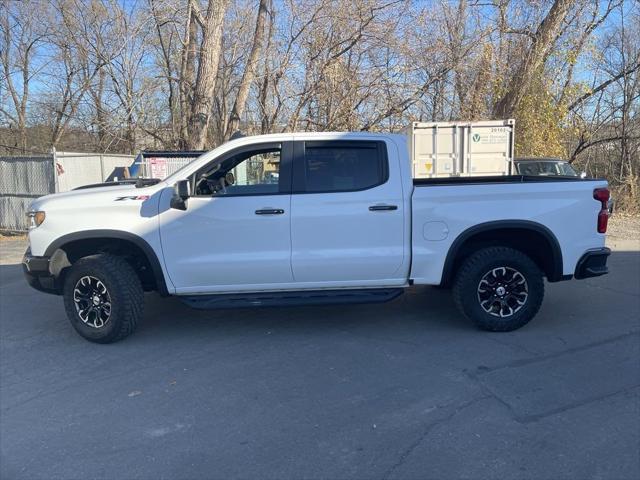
x=472, y=271
x=125, y=292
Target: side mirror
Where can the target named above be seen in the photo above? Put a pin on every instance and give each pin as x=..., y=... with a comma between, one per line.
x=583, y=174
x=181, y=193
x=183, y=189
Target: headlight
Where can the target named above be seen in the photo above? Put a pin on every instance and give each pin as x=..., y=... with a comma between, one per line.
x=35, y=219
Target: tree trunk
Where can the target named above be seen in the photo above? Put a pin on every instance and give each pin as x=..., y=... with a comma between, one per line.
x=186, y=82
x=249, y=72
x=265, y=124
x=205, y=85
x=97, y=93
x=542, y=44
x=168, y=65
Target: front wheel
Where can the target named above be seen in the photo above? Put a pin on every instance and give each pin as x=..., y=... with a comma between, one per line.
x=103, y=298
x=499, y=288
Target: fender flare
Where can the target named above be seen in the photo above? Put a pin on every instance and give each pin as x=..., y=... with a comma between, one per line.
x=556, y=252
x=140, y=242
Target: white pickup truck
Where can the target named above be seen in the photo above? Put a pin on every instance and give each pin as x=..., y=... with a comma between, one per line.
x=305, y=218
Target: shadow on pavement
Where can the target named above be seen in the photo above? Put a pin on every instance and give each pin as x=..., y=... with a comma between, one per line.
x=426, y=307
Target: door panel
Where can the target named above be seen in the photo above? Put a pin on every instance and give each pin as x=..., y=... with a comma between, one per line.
x=222, y=241
x=346, y=236
x=231, y=237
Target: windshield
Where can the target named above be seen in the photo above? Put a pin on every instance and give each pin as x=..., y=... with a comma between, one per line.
x=547, y=168
x=566, y=169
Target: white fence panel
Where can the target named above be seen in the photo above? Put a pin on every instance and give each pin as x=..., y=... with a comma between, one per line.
x=78, y=169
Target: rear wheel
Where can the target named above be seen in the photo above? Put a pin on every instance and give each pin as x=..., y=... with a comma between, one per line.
x=103, y=298
x=499, y=288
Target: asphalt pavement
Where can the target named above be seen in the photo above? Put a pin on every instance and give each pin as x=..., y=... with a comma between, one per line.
x=407, y=389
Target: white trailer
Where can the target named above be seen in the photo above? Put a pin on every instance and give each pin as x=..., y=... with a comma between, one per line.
x=448, y=149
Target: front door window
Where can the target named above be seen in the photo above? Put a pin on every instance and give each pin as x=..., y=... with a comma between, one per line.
x=255, y=172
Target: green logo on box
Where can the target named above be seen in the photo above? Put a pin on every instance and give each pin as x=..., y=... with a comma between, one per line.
x=476, y=137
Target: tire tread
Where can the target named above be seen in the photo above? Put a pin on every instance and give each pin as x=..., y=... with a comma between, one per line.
x=469, y=269
x=128, y=291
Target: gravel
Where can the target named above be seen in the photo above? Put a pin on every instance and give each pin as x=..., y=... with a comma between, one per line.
x=624, y=226
x=12, y=248
x=623, y=232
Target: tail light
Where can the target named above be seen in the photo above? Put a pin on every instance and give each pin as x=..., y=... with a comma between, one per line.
x=602, y=195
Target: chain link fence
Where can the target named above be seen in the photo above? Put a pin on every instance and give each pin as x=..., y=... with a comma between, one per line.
x=22, y=180
x=25, y=178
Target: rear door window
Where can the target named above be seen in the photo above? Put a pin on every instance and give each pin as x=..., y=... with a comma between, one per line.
x=343, y=166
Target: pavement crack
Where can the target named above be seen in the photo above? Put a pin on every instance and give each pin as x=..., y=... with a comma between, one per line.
x=525, y=419
x=540, y=358
x=488, y=393
x=429, y=428
x=609, y=289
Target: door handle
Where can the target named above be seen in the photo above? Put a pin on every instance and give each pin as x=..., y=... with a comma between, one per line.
x=380, y=208
x=270, y=211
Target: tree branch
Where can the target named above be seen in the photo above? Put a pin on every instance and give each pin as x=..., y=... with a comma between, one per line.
x=581, y=99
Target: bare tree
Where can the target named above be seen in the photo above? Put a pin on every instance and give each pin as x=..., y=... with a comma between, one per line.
x=21, y=33
x=541, y=45
x=121, y=76
x=208, y=59
x=81, y=47
x=249, y=70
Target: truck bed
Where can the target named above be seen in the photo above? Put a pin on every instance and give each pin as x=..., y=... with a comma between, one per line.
x=563, y=206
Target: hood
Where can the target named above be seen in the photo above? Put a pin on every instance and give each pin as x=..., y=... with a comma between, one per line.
x=95, y=195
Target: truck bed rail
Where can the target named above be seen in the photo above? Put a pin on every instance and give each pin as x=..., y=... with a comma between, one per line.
x=420, y=182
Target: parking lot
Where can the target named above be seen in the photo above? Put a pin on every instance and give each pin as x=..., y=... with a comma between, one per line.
x=406, y=389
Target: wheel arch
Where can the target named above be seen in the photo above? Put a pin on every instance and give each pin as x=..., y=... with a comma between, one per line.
x=79, y=244
x=531, y=238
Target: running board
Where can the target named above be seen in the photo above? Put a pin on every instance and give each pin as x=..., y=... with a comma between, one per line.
x=291, y=298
